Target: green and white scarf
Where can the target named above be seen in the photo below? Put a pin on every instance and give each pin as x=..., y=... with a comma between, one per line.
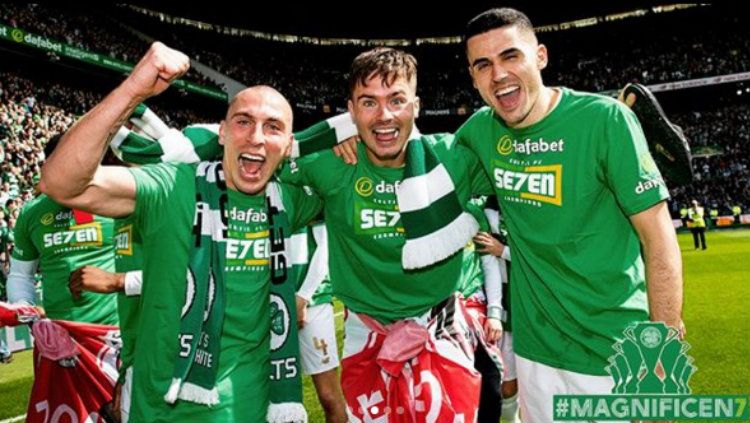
x=194, y=378
x=435, y=224
x=151, y=141
x=286, y=393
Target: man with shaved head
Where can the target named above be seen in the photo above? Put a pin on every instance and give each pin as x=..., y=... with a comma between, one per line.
x=213, y=239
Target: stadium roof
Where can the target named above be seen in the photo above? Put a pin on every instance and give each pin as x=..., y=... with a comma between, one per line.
x=379, y=19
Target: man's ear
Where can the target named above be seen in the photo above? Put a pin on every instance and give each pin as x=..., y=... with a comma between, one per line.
x=288, y=151
x=473, y=80
x=221, y=132
x=541, y=57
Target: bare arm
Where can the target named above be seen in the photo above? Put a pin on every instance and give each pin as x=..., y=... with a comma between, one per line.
x=663, y=264
x=72, y=176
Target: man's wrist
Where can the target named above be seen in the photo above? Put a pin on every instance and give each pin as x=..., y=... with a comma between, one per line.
x=120, y=282
x=494, y=312
x=303, y=298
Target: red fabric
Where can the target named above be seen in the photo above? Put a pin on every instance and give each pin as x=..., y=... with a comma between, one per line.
x=14, y=314
x=404, y=340
x=442, y=389
x=74, y=390
x=52, y=341
x=82, y=217
x=477, y=309
x=407, y=373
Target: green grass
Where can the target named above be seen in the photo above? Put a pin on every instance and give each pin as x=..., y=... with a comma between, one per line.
x=15, y=384
x=717, y=288
x=716, y=313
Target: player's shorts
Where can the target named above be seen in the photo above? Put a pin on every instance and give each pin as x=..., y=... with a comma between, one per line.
x=317, y=340
x=538, y=383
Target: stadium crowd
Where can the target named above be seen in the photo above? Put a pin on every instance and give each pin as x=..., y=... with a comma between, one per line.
x=32, y=111
x=316, y=78
x=84, y=31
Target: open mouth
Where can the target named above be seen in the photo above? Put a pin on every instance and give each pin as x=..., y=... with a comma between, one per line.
x=251, y=165
x=509, y=96
x=386, y=134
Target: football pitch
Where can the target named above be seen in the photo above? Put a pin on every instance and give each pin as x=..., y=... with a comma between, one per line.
x=717, y=288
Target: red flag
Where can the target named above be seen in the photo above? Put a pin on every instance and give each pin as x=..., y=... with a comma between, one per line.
x=434, y=390
x=15, y=314
x=407, y=374
x=76, y=389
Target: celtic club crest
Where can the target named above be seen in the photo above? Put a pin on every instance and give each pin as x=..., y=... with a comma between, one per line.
x=651, y=360
x=280, y=320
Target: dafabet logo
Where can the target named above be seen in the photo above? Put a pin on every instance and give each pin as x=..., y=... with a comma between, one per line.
x=363, y=186
x=506, y=145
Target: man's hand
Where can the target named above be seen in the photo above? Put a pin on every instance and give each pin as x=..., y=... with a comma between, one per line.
x=681, y=330
x=41, y=311
x=488, y=244
x=94, y=279
x=493, y=330
x=629, y=100
x=301, y=311
x=157, y=69
x=347, y=150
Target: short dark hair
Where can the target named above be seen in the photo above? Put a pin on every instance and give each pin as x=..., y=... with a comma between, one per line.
x=497, y=18
x=385, y=62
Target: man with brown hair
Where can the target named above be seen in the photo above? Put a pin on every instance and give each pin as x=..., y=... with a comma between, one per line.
x=406, y=350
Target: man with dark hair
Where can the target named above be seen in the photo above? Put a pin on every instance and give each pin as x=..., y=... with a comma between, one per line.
x=59, y=240
x=397, y=301
x=580, y=192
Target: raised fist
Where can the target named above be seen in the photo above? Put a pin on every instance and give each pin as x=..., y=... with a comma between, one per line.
x=156, y=70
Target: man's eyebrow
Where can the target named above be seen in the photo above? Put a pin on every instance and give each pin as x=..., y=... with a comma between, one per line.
x=504, y=53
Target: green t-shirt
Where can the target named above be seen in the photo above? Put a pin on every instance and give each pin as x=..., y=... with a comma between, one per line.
x=128, y=257
x=365, y=233
x=48, y=232
x=567, y=186
x=165, y=213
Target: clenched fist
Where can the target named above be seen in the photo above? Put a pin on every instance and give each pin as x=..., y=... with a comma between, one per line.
x=156, y=70
x=94, y=279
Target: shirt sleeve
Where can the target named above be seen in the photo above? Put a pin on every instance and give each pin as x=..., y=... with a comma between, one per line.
x=24, y=248
x=323, y=173
x=629, y=169
x=21, y=286
x=479, y=180
x=492, y=281
x=133, y=283
x=304, y=205
x=155, y=184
